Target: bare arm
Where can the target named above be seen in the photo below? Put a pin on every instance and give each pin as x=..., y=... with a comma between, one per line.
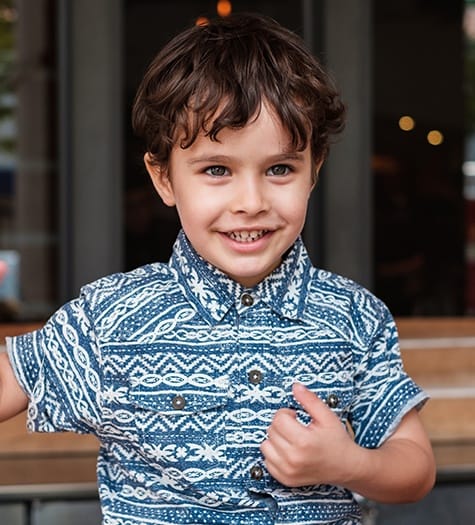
x=13, y=399
x=401, y=470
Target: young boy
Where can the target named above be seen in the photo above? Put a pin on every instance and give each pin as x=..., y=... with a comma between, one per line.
x=236, y=384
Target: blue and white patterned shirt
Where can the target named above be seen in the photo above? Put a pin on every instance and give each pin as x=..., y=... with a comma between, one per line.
x=179, y=370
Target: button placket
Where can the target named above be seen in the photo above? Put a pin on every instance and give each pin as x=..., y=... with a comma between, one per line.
x=255, y=377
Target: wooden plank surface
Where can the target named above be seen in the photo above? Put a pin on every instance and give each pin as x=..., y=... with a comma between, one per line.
x=439, y=353
x=429, y=327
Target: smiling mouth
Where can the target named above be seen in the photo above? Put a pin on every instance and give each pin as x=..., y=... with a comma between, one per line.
x=247, y=236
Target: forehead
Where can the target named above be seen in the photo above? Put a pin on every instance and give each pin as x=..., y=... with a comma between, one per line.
x=264, y=126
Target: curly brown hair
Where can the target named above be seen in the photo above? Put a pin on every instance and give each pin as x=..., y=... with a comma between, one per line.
x=218, y=75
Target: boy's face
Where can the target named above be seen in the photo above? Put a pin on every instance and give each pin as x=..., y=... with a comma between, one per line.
x=242, y=201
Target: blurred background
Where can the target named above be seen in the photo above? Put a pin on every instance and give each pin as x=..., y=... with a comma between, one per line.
x=394, y=209
x=395, y=206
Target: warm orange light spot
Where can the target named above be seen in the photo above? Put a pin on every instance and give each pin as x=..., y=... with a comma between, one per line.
x=224, y=8
x=201, y=21
x=435, y=137
x=406, y=123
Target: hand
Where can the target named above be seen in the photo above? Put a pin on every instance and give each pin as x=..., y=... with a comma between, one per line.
x=320, y=453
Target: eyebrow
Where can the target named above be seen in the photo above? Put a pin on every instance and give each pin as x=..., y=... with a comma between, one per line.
x=224, y=159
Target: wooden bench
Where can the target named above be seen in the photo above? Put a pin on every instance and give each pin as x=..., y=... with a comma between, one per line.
x=439, y=353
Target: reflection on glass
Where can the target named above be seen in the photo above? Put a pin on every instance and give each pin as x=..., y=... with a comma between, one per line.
x=418, y=194
x=9, y=259
x=27, y=170
x=468, y=167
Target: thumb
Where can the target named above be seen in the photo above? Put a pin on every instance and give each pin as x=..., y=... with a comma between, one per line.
x=312, y=404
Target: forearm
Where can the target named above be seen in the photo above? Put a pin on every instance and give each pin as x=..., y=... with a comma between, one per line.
x=401, y=471
x=323, y=452
x=12, y=398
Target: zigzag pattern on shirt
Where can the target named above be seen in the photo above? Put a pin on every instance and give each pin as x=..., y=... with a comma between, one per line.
x=229, y=359
x=150, y=423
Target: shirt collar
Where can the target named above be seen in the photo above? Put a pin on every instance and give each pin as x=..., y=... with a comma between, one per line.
x=214, y=293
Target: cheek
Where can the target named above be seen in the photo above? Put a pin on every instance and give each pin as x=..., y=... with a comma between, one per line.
x=295, y=204
x=194, y=208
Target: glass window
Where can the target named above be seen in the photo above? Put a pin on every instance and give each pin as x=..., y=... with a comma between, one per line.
x=420, y=93
x=469, y=155
x=27, y=165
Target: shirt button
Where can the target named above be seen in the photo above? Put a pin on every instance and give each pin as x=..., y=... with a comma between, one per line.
x=255, y=377
x=178, y=402
x=246, y=299
x=257, y=473
x=332, y=400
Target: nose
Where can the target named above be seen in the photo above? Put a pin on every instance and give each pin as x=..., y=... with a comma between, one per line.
x=250, y=195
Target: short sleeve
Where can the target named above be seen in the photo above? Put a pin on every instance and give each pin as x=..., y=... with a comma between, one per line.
x=57, y=366
x=384, y=391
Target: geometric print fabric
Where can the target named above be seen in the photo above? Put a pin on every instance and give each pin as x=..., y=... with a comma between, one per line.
x=179, y=370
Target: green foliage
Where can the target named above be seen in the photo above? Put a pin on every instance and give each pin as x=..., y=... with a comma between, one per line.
x=8, y=145
x=470, y=85
x=7, y=62
x=7, y=19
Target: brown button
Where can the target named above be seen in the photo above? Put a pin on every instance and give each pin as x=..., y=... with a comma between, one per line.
x=247, y=299
x=257, y=473
x=255, y=377
x=332, y=400
x=178, y=402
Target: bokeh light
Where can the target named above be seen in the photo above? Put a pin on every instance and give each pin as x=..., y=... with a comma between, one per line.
x=224, y=8
x=407, y=123
x=201, y=21
x=435, y=137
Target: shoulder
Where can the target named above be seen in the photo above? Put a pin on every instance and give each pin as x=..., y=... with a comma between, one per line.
x=156, y=278
x=342, y=291
x=347, y=304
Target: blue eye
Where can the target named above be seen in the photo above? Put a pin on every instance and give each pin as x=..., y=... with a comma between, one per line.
x=279, y=170
x=216, y=171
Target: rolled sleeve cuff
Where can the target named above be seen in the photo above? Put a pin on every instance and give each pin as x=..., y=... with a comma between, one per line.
x=388, y=410
x=25, y=361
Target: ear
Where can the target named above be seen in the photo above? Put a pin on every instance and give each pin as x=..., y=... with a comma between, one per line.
x=315, y=173
x=161, y=181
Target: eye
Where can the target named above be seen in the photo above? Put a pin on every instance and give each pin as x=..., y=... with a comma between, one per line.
x=216, y=171
x=279, y=170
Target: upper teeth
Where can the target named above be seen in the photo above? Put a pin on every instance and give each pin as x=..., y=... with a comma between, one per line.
x=247, y=236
